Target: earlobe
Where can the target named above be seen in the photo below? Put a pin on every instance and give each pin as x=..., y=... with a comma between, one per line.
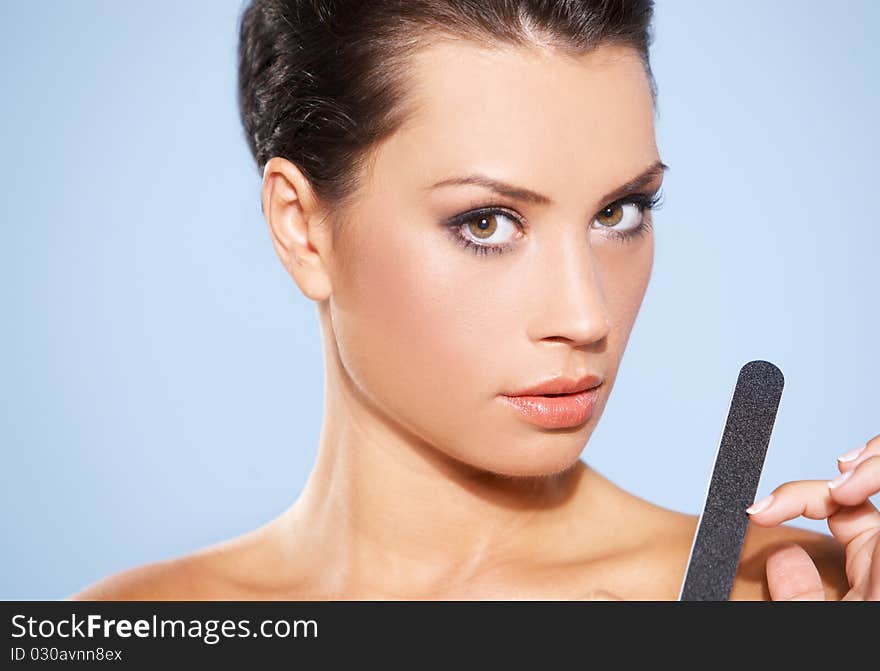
x=295, y=226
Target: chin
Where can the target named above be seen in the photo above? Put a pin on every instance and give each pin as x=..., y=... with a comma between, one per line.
x=544, y=458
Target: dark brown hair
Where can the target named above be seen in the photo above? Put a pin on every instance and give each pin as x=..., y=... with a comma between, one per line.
x=321, y=81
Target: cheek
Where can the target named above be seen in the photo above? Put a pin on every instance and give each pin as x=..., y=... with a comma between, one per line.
x=406, y=321
x=625, y=279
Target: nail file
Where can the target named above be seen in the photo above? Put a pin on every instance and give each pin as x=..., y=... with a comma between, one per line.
x=721, y=530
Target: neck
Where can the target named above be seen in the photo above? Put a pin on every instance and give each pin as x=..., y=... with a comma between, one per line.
x=385, y=513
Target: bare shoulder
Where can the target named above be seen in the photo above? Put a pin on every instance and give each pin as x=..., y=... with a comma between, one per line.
x=670, y=545
x=166, y=580
x=827, y=553
x=218, y=571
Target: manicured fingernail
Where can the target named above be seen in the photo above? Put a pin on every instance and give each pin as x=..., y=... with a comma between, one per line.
x=758, y=506
x=840, y=479
x=852, y=454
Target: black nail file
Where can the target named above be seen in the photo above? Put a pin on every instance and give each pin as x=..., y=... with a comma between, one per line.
x=721, y=530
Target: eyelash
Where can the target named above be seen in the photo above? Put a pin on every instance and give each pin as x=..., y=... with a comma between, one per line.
x=645, y=202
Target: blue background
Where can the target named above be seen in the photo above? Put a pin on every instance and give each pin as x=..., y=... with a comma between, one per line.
x=162, y=375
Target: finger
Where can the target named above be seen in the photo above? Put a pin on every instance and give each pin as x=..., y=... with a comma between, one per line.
x=792, y=575
x=810, y=498
x=854, y=486
x=855, y=525
x=817, y=499
x=851, y=459
x=873, y=593
x=858, y=523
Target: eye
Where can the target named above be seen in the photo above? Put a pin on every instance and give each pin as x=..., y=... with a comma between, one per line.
x=621, y=216
x=490, y=227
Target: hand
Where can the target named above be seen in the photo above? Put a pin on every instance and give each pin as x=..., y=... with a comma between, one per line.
x=852, y=519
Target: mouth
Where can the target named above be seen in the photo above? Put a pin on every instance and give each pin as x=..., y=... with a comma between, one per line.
x=555, y=411
x=561, y=386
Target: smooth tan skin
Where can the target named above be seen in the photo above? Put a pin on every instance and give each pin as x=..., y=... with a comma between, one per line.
x=426, y=486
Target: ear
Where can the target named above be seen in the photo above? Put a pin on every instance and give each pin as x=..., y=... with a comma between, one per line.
x=297, y=226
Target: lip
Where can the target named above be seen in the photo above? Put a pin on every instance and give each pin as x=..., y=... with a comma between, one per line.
x=555, y=412
x=561, y=385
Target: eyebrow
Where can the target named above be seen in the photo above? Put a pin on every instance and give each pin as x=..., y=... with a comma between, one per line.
x=527, y=195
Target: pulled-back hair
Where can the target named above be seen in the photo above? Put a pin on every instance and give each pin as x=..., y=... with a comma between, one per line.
x=321, y=81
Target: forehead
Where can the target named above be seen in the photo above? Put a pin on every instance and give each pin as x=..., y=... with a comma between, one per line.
x=560, y=120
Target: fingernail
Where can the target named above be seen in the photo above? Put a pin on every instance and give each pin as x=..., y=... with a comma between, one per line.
x=852, y=454
x=840, y=479
x=758, y=506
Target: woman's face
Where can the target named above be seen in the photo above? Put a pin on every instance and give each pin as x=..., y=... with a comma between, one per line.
x=435, y=322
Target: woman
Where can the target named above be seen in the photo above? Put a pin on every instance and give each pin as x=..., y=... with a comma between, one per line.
x=465, y=192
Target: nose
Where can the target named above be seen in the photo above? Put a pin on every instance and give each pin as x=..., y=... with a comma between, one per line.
x=571, y=304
